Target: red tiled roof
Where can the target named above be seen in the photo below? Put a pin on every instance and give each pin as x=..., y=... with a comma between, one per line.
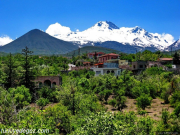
x=166, y=59
x=85, y=62
x=98, y=64
x=96, y=53
x=112, y=54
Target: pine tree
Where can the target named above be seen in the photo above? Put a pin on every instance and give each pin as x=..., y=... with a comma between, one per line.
x=176, y=58
x=10, y=72
x=28, y=75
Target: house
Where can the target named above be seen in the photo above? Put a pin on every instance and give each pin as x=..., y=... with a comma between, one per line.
x=50, y=81
x=71, y=66
x=106, y=57
x=153, y=64
x=92, y=54
x=123, y=62
x=164, y=61
x=138, y=66
x=106, y=68
x=88, y=63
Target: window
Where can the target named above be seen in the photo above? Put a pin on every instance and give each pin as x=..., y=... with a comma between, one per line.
x=47, y=83
x=53, y=84
x=112, y=72
x=98, y=72
x=108, y=72
x=134, y=66
x=140, y=66
x=40, y=84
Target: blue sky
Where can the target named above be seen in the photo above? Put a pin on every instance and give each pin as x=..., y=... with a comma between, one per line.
x=21, y=16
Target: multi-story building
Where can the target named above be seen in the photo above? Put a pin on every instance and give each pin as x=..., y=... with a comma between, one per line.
x=92, y=54
x=106, y=57
x=106, y=68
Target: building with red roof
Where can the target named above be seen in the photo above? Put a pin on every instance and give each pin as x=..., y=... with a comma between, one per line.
x=92, y=54
x=106, y=57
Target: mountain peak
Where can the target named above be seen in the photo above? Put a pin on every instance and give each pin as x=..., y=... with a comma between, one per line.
x=137, y=29
x=106, y=24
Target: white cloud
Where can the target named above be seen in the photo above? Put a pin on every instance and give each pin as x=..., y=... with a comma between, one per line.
x=5, y=40
x=167, y=37
x=58, y=29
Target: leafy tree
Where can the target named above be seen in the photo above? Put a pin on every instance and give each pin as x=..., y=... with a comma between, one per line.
x=175, y=98
x=112, y=102
x=154, y=71
x=42, y=102
x=165, y=116
x=21, y=95
x=7, y=107
x=177, y=110
x=143, y=101
x=48, y=93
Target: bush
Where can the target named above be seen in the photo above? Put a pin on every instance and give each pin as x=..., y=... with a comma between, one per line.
x=21, y=95
x=165, y=116
x=142, y=112
x=112, y=102
x=175, y=98
x=42, y=102
x=49, y=93
x=143, y=101
x=177, y=110
x=154, y=71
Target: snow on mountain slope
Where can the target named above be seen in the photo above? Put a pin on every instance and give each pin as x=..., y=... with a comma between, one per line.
x=107, y=31
x=174, y=46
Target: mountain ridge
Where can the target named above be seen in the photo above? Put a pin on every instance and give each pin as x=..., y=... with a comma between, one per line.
x=40, y=43
x=104, y=31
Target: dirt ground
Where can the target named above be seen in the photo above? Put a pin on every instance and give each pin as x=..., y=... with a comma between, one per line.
x=154, y=111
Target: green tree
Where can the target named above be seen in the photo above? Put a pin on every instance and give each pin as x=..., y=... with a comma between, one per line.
x=42, y=102
x=177, y=110
x=7, y=107
x=21, y=95
x=143, y=101
x=10, y=72
x=165, y=116
x=176, y=58
x=28, y=75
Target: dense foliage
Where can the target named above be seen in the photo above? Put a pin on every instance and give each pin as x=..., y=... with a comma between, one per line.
x=78, y=105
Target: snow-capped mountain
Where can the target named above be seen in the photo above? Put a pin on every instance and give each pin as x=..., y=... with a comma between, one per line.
x=107, y=31
x=174, y=46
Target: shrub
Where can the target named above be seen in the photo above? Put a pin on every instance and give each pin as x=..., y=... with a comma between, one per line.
x=165, y=116
x=42, y=102
x=49, y=93
x=142, y=112
x=143, y=101
x=177, y=110
x=175, y=98
x=112, y=102
x=21, y=95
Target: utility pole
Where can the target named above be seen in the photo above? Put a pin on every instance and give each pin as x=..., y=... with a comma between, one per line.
x=136, y=55
x=79, y=51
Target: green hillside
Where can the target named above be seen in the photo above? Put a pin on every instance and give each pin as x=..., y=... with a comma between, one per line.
x=88, y=49
x=40, y=43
